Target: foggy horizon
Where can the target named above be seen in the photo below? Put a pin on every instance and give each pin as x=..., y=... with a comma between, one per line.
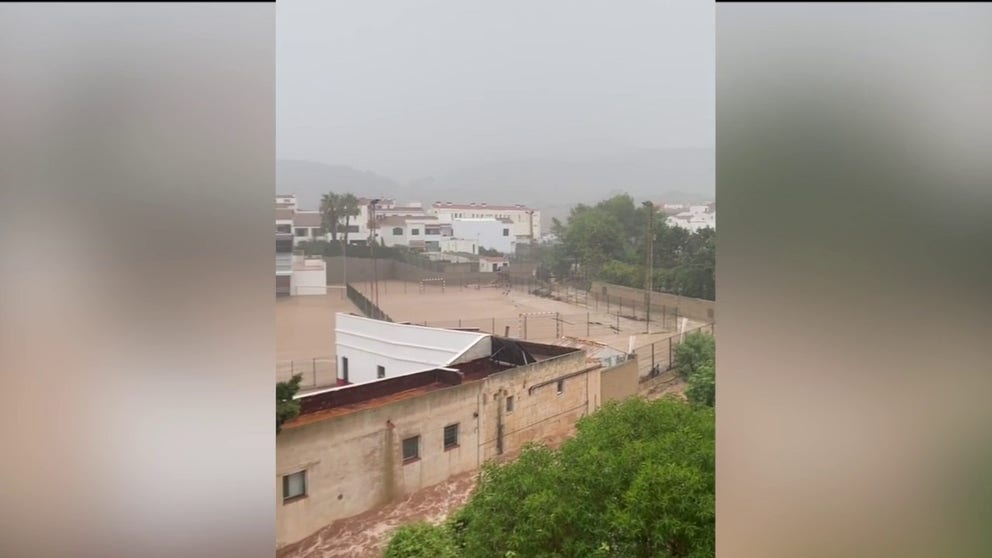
x=410, y=91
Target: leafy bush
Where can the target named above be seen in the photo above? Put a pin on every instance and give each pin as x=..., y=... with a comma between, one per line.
x=697, y=349
x=286, y=407
x=422, y=540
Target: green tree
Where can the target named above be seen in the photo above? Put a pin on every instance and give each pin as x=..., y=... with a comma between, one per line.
x=636, y=480
x=286, y=407
x=347, y=208
x=422, y=540
x=696, y=350
x=330, y=204
x=702, y=385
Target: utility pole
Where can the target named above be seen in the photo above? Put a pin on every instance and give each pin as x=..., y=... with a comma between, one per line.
x=374, y=284
x=649, y=266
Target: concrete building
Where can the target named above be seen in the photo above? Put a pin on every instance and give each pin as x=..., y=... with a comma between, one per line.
x=309, y=276
x=488, y=233
x=356, y=448
x=284, y=263
x=492, y=264
x=286, y=201
x=308, y=226
x=370, y=350
x=524, y=222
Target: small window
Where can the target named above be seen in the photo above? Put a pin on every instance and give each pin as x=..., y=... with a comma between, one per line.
x=344, y=369
x=284, y=228
x=415, y=232
x=380, y=371
x=397, y=231
x=509, y=404
x=506, y=232
x=301, y=231
x=294, y=486
x=411, y=449
x=451, y=436
x=561, y=387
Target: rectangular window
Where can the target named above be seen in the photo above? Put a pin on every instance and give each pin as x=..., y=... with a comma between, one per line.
x=411, y=449
x=506, y=232
x=301, y=231
x=509, y=404
x=294, y=486
x=284, y=228
x=380, y=371
x=414, y=232
x=319, y=231
x=561, y=387
x=344, y=369
x=451, y=436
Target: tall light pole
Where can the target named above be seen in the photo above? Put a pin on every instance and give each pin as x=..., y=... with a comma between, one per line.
x=649, y=265
x=374, y=286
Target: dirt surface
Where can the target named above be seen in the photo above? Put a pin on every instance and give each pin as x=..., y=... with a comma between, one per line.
x=494, y=310
x=365, y=535
x=305, y=335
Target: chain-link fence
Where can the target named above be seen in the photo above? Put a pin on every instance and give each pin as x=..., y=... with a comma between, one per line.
x=316, y=371
x=659, y=357
x=545, y=326
x=365, y=305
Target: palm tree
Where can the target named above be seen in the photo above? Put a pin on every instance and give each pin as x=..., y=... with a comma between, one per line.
x=330, y=204
x=348, y=208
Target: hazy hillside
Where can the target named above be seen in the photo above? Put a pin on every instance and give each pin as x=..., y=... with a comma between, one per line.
x=309, y=180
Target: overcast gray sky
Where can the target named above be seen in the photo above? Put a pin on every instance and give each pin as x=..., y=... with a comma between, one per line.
x=411, y=88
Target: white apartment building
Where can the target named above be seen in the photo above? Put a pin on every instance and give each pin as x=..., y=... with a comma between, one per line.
x=488, y=233
x=286, y=201
x=370, y=350
x=492, y=264
x=525, y=222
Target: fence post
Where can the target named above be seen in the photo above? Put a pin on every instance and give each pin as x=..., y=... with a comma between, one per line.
x=587, y=324
x=670, y=353
x=557, y=324
x=494, y=325
x=618, y=323
x=525, y=327
x=314, y=371
x=652, y=356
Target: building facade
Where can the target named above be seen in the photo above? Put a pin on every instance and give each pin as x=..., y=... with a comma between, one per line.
x=354, y=449
x=524, y=221
x=488, y=233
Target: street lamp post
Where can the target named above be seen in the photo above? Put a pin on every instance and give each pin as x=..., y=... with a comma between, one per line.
x=649, y=266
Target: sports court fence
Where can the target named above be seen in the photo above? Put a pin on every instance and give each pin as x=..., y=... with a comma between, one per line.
x=316, y=371
x=659, y=357
x=365, y=305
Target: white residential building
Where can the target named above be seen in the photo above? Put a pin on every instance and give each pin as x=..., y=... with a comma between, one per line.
x=370, y=350
x=492, y=264
x=286, y=201
x=525, y=222
x=489, y=233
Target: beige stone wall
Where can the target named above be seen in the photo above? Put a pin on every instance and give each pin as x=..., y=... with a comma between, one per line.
x=354, y=462
x=619, y=382
x=692, y=308
x=539, y=412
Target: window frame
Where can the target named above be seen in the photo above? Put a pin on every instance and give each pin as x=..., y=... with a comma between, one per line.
x=560, y=387
x=416, y=456
x=380, y=372
x=444, y=439
x=286, y=499
x=509, y=404
x=344, y=368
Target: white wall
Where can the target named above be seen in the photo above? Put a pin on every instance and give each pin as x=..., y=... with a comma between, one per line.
x=466, y=245
x=308, y=282
x=521, y=220
x=401, y=349
x=489, y=233
x=486, y=266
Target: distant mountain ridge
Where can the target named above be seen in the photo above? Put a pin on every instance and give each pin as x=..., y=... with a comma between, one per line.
x=553, y=185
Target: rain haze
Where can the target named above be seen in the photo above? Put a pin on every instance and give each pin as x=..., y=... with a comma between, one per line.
x=478, y=101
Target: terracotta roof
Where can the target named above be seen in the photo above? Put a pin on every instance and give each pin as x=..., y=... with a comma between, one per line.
x=307, y=219
x=449, y=205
